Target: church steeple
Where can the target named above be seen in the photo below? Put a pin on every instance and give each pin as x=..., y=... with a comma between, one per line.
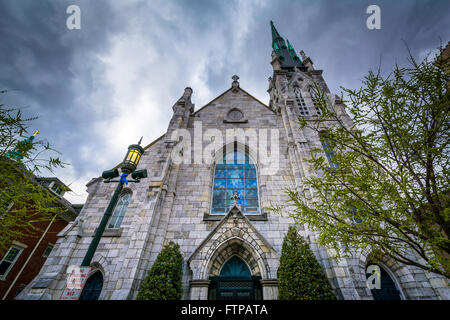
x=292, y=52
x=286, y=54
x=277, y=41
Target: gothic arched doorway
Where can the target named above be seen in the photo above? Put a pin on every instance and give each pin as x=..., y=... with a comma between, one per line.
x=93, y=287
x=235, y=282
x=388, y=289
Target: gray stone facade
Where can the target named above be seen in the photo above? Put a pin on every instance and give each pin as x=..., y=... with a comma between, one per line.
x=174, y=204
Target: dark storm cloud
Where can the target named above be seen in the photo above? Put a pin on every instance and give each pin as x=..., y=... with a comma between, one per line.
x=37, y=50
x=37, y=56
x=100, y=88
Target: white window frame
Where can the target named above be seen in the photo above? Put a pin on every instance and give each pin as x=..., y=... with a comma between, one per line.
x=55, y=188
x=7, y=210
x=12, y=263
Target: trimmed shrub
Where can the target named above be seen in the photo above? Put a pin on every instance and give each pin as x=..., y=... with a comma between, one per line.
x=163, y=281
x=300, y=276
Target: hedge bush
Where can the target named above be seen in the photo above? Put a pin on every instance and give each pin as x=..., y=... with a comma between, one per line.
x=163, y=281
x=300, y=276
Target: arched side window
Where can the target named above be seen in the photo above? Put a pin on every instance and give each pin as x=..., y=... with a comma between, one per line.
x=93, y=287
x=328, y=150
x=235, y=267
x=120, y=210
x=314, y=98
x=386, y=289
x=235, y=173
x=302, y=108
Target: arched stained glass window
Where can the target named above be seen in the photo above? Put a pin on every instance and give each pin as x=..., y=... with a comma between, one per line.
x=235, y=267
x=119, y=211
x=235, y=173
x=387, y=287
x=93, y=287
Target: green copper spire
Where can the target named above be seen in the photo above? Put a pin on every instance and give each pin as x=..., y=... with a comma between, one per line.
x=286, y=54
x=277, y=41
x=292, y=51
x=275, y=34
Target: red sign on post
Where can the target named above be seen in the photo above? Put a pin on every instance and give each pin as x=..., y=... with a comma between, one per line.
x=75, y=282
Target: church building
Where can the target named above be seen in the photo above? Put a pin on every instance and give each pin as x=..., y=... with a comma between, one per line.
x=208, y=192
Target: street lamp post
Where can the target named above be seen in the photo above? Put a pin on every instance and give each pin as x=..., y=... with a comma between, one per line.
x=127, y=166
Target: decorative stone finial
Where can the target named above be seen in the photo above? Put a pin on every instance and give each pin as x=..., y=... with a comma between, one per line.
x=187, y=91
x=235, y=197
x=235, y=83
x=304, y=57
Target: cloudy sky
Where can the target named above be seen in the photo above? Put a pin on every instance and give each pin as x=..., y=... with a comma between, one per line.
x=98, y=89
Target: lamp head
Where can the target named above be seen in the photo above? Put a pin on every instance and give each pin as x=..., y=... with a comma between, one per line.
x=131, y=160
x=109, y=174
x=139, y=174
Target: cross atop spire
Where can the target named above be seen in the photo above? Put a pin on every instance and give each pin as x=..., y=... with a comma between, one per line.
x=235, y=83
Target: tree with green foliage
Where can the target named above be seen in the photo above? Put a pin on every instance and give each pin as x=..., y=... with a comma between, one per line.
x=300, y=276
x=163, y=281
x=387, y=190
x=23, y=202
x=17, y=144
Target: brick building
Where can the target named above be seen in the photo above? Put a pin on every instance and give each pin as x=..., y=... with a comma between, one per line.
x=26, y=255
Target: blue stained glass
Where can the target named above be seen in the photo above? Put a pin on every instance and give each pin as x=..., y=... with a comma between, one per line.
x=218, y=209
x=328, y=151
x=230, y=193
x=220, y=183
x=250, y=183
x=119, y=211
x=250, y=173
x=219, y=202
x=221, y=194
x=251, y=193
x=220, y=173
x=235, y=183
x=236, y=173
x=235, y=267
